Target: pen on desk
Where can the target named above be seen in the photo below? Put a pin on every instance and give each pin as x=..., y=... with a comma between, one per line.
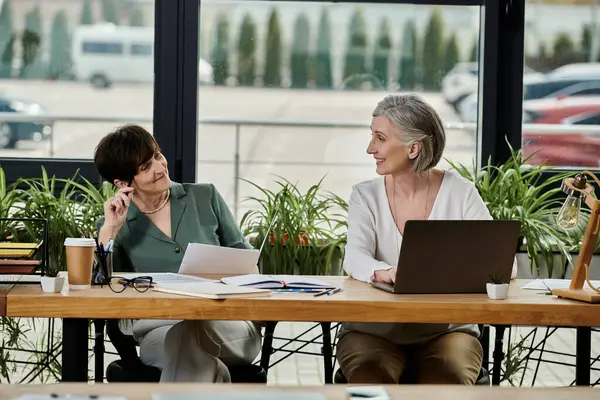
x=334, y=291
x=323, y=292
x=294, y=290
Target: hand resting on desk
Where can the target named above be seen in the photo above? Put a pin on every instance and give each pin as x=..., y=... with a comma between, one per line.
x=385, y=276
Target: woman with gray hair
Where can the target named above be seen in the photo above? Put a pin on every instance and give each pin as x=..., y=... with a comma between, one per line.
x=407, y=142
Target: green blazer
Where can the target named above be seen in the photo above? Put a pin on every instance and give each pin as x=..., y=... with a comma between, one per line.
x=198, y=215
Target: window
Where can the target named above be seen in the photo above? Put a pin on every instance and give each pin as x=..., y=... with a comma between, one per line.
x=76, y=67
x=288, y=88
x=141, y=49
x=567, y=78
x=102, y=48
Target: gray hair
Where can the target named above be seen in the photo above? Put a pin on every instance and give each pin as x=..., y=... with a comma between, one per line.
x=420, y=123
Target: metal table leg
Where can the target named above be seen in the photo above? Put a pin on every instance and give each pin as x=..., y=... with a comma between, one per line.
x=583, y=355
x=99, y=325
x=75, y=350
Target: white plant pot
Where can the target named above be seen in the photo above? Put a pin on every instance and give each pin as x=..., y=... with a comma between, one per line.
x=52, y=284
x=497, y=292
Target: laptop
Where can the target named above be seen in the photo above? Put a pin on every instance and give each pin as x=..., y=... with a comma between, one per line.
x=458, y=256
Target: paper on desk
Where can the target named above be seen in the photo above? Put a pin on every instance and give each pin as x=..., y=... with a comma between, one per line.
x=208, y=259
x=50, y=396
x=243, y=395
x=545, y=284
x=167, y=277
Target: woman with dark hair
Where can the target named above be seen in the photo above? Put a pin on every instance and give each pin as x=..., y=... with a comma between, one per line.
x=151, y=221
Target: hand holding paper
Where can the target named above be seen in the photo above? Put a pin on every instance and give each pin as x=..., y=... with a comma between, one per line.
x=209, y=259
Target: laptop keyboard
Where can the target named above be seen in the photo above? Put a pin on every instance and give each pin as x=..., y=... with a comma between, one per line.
x=384, y=286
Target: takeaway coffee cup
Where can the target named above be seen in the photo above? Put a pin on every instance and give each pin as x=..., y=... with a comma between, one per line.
x=80, y=260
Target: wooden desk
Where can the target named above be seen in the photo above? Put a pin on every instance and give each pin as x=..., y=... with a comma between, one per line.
x=331, y=392
x=359, y=302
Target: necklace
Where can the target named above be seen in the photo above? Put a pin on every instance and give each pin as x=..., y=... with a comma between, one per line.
x=395, y=208
x=164, y=203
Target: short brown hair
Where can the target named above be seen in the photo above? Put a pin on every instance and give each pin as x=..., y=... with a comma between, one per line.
x=120, y=153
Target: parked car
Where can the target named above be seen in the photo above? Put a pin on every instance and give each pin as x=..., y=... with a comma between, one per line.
x=575, y=70
x=463, y=80
x=12, y=132
x=549, y=88
x=581, y=149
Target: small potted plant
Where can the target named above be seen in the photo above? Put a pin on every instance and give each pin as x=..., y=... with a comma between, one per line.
x=51, y=282
x=497, y=288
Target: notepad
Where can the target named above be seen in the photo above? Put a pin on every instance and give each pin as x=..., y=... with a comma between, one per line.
x=210, y=290
x=277, y=282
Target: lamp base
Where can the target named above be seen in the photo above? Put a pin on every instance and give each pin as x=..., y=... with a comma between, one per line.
x=587, y=295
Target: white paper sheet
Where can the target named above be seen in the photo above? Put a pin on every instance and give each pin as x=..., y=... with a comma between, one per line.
x=545, y=284
x=51, y=396
x=208, y=259
x=240, y=395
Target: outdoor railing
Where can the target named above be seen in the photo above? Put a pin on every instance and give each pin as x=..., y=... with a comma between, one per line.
x=52, y=119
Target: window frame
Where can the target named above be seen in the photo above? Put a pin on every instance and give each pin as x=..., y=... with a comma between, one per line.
x=172, y=52
x=175, y=102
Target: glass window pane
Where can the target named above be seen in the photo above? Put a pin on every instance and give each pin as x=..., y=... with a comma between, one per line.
x=88, y=62
x=561, y=102
x=288, y=88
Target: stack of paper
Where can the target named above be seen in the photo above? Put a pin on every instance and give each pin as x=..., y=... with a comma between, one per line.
x=210, y=290
x=277, y=282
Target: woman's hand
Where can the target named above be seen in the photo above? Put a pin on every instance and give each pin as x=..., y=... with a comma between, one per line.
x=385, y=276
x=115, y=209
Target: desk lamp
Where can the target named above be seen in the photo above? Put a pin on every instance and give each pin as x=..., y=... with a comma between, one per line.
x=578, y=189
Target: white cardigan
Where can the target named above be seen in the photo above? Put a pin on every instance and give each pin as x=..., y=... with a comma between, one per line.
x=372, y=238
x=373, y=244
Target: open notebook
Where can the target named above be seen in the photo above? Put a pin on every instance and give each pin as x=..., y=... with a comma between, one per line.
x=210, y=290
x=277, y=282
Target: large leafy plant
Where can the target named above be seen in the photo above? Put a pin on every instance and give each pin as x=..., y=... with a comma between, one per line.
x=8, y=198
x=71, y=211
x=515, y=190
x=303, y=233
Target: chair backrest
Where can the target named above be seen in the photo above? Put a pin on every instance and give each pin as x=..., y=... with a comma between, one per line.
x=124, y=344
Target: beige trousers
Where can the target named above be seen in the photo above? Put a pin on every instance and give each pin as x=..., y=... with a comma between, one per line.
x=452, y=358
x=197, y=351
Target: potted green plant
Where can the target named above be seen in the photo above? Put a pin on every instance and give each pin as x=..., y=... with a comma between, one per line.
x=517, y=191
x=51, y=282
x=75, y=207
x=8, y=197
x=304, y=232
x=70, y=212
x=497, y=287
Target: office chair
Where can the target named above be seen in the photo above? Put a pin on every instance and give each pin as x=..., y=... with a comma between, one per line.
x=130, y=367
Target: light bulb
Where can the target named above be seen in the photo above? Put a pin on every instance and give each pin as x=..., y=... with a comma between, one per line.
x=568, y=216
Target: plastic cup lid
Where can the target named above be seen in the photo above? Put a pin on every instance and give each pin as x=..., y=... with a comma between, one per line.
x=80, y=242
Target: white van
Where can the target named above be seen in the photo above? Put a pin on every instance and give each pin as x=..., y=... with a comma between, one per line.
x=104, y=54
